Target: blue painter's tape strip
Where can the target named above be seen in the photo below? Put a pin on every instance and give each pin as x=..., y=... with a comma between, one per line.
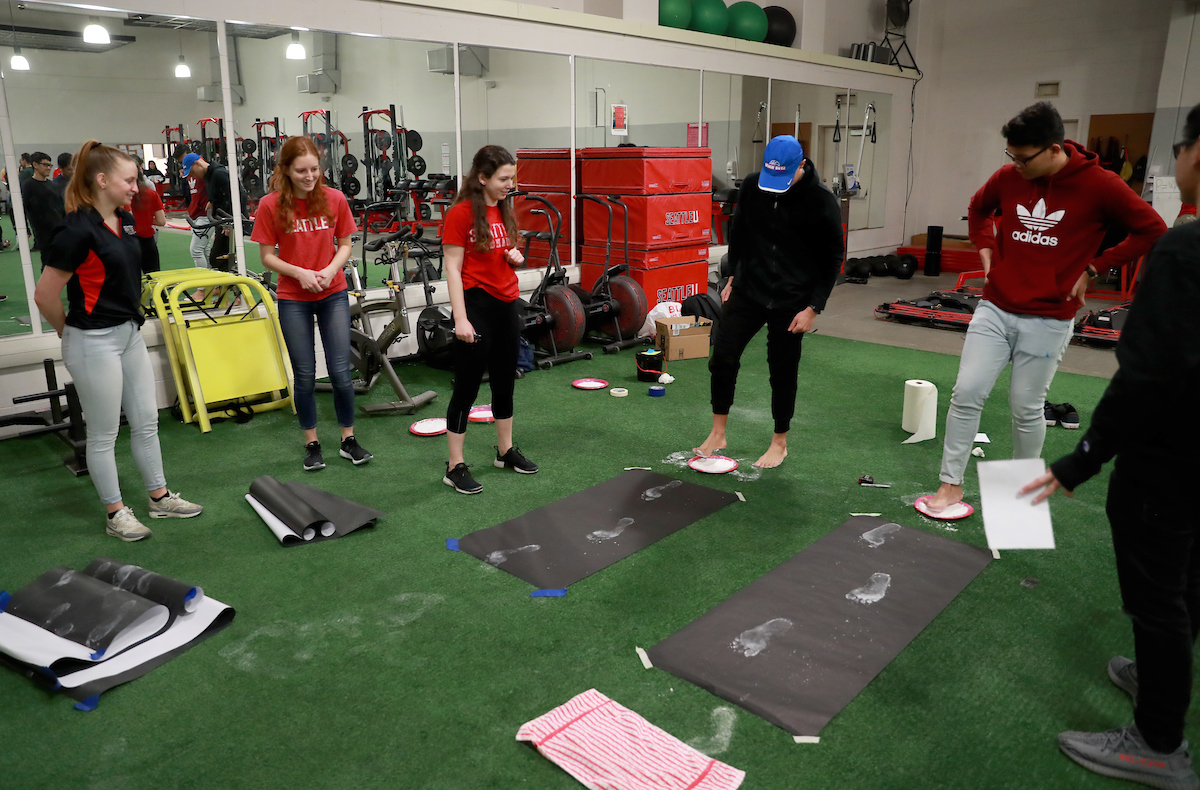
x=548, y=593
x=452, y=544
x=50, y=676
x=88, y=704
x=99, y=654
x=191, y=595
x=5, y=597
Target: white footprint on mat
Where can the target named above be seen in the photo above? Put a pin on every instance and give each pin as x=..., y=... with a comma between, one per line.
x=498, y=557
x=875, y=537
x=651, y=494
x=712, y=745
x=752, y=642
x=873, y=591
x=601, y=535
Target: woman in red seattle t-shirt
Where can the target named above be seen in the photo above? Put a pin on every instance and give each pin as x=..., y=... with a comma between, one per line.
x=303, y=232
x=479, y=258
x=147, y=210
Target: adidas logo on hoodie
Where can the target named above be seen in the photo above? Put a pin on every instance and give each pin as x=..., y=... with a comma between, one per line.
x=1037, y=221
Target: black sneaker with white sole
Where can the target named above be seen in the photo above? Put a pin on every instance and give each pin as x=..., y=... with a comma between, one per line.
x=312, y=457
x=460, y=479
x=354, y=451
x=514, y=460
x=1067, y=416
x=1050, y=413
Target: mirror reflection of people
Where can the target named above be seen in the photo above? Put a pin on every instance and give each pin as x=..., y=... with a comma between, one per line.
x=1155, y=528
x=197, y=209
x=95, y=255
x=785, y=247
x=311, y=223
x=1053, y=204
x=148, y=217
x=478, y=244
x=43, y=201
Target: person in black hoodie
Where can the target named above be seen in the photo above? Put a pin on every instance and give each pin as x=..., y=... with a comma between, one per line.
x=1155, y=528
x=785, y=247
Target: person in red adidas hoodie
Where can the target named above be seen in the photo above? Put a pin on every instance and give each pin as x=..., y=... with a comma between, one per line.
x=1038, y=223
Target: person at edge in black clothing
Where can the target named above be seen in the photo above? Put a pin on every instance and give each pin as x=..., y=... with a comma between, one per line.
x=785, y=246
x=1155, y=529
x=66, y=166
x=43, y=201
x=216, y=181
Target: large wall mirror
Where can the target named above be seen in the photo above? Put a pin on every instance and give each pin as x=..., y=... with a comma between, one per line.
x=154, y=73
x=380, y=111
x=845, y=135
x=630, y=103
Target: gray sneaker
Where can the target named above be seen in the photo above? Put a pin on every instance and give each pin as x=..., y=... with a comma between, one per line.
x=1123, y=673
x=1123, y=754
x=124, y=525
x=174, y=506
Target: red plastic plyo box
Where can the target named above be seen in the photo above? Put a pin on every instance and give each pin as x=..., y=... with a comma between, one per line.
x=645, y=171
x=544, y=169
x=654, y=220
x=539, y=253
x=664, y=284
x=645, y=259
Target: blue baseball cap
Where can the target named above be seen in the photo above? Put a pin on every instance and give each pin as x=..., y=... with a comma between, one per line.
x=193, y=158
x=780, y=161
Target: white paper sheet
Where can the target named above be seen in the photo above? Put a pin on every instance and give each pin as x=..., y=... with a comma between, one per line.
x=982, y=438
x=33, y=645
x=283, y=531
x=185, y=628
x=1009, y=521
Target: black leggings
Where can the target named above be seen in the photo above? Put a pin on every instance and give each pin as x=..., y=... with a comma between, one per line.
x=150, y=261
x=498, y=325
x=741, y=318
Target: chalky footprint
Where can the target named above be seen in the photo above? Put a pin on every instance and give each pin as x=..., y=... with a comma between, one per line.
x=651, y=494
x=499, y=557
x=723, y=719
x=601, y=535
x=873, y=591
x=752, y=642
x=875, y=537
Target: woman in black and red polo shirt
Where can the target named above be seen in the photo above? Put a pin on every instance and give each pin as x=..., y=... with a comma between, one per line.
x=94, y=254
x=479, y=257
x=303, y=232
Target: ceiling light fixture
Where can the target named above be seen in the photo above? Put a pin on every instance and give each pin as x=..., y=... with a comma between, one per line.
x=295, y=50
x=95, y=33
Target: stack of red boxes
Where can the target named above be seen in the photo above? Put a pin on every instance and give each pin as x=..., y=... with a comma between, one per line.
x=668, y=192
x=545, y=172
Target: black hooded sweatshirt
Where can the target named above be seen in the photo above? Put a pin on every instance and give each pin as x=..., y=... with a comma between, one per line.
x=786, y=248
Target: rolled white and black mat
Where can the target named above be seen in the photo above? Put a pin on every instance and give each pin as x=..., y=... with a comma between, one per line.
x=297, y=513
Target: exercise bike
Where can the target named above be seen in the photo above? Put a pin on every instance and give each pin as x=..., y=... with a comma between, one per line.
x=553, y=319
x=368, y=349
x=616, y=306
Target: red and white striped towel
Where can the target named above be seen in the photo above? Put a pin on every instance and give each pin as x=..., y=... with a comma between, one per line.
x=608, y=747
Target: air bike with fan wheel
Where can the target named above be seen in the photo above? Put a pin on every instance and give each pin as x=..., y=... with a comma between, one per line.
x=553, y=320
x=375, y=324
x=616, y=306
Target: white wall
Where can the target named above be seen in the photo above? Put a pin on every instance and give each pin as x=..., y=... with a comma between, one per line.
x=1179, y=87
x=126, y=95
x=982, y=62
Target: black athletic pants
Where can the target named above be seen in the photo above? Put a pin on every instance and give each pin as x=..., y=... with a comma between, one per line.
x=1156, y=539
x=150, y=261
x=741, y=319
x=498, y=325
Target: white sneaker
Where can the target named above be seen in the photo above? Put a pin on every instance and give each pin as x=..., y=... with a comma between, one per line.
x=174, y=506
x=124, y=525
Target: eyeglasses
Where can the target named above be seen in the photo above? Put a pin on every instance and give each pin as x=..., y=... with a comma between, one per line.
x=47, y=163
x=1182, y=144
x=1022, y=161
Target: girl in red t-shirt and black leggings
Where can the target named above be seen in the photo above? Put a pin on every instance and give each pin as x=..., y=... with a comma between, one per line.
x=480, y=257
x=303, y=232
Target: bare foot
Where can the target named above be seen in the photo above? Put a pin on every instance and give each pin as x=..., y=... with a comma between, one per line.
x=946, y=496
x=712, y=445
x=774, y=455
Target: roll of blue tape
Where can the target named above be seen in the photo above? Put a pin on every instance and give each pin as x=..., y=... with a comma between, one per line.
x=657, y=391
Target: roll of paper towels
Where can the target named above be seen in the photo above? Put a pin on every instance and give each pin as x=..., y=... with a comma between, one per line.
x=920, y=410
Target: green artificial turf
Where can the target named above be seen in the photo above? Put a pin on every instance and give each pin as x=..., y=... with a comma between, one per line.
x=382, y=660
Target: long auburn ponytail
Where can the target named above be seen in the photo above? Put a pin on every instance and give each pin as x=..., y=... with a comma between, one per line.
x=93, y=159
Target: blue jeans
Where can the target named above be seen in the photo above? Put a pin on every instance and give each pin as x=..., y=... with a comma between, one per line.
x=111, y=370
x=1035, y=346
x=296, y=321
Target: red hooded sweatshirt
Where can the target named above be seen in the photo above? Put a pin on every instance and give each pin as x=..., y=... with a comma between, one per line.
x=1050, y=229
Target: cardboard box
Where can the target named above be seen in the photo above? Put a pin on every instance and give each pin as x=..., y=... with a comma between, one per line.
x=684, y=337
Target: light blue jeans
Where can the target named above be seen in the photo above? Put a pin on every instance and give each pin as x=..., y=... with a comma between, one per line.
x=111, y=370
x=1034, y=345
